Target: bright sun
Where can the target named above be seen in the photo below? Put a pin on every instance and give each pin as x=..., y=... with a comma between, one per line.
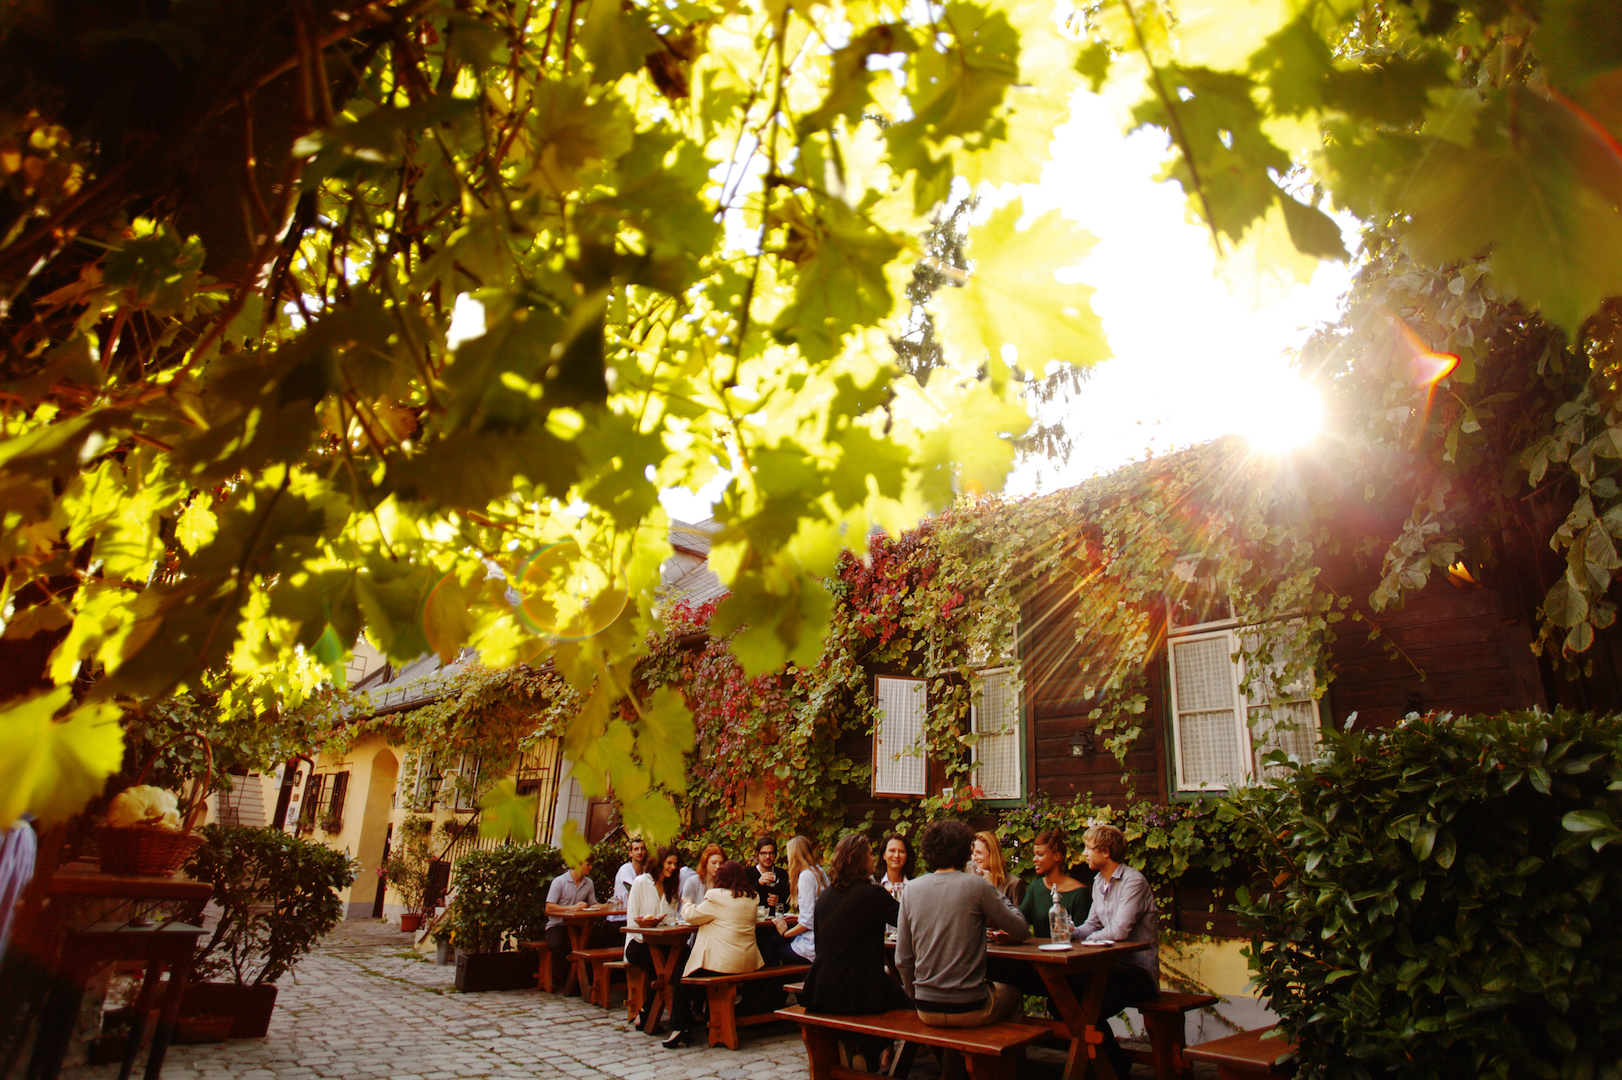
x=1284, y=413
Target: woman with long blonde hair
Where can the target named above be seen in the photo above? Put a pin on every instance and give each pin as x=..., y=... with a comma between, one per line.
x=797, y=945
x=988, y=863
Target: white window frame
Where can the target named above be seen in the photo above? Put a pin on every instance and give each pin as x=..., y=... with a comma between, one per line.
x=903, y=762
x=1016, y=736
x=466, y=797
x=1244, y=733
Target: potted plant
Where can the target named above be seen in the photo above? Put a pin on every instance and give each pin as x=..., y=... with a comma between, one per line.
x=406, y=871
x=278, y=896
x=500, y=900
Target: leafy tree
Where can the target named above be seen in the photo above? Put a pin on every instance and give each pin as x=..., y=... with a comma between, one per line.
x=919, y=351
x=238, y=426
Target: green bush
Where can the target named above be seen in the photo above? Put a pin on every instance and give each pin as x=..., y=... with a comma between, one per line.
x=500, y=894
x=1445, y=899
x=1165, y=842
x=277, y=894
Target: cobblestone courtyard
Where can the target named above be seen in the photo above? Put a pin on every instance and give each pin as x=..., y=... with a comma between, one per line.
x=366, y=1006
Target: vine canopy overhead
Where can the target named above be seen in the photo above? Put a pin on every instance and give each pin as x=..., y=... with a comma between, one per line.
x=327, y=316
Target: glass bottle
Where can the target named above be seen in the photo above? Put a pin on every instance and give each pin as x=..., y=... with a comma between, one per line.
x=1059, y=924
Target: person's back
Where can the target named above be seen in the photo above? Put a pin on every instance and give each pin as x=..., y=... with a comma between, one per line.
x=941, y=935
x=848, y=976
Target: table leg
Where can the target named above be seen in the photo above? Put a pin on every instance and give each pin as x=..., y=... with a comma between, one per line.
x=577, y=979
x=1080, y=1017
x=168, y=1013
x=664, y=995
x=138, y=1018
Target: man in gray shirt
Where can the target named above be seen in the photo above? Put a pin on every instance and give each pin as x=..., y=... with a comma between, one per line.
x=1123, y=910
x=572, y=891
x=940, y=948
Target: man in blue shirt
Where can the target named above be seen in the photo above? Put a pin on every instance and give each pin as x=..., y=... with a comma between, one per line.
x=1123, y=909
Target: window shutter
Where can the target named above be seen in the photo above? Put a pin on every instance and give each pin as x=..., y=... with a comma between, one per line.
x=898, y=766
x=998, y=753
x=1208, y=749
x=335, y=802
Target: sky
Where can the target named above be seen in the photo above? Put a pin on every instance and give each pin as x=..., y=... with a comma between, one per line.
x=1197, y=356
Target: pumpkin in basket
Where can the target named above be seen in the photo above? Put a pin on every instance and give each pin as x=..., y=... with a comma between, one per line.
x=144, y=805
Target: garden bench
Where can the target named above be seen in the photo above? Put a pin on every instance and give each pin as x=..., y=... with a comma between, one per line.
x=636, y=986
x=595, y=964
x=1164, y=1024
x=543, y=978
x=1246, y=1054
x=990, y=1052
x=719, y=990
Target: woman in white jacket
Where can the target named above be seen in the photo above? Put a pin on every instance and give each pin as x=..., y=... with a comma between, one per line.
x=724, y=945
x=653, y=897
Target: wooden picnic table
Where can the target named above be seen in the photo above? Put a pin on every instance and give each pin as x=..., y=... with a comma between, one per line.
x=1079, y=1016
x=664, y=944
x=579, y=925
x=664, y=947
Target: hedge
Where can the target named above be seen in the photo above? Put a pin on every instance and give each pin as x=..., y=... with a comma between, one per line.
x=1444, y=899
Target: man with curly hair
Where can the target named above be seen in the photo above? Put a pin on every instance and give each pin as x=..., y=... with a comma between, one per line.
x=941, y=937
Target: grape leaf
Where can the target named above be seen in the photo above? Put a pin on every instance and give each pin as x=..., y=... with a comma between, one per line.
x=1013, y=298
x=51, y=767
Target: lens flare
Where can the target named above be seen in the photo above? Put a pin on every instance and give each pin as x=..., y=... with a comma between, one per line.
x=1426, y=367
x=570, y=592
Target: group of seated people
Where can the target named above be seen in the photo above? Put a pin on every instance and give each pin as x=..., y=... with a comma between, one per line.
x=942, y=922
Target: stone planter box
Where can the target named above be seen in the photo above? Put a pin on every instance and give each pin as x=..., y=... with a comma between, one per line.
x=476, y=972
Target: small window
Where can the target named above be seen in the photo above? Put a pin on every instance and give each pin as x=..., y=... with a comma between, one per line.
x=1218, y=735
x=467, y=782
x=899, y=767
x=311, y=806
x=332, y=817
x=999, y=751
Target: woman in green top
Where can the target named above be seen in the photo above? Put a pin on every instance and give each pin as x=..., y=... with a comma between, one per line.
x=1052, y=858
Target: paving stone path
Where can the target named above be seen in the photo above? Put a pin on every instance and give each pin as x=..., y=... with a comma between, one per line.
x=366, y=1006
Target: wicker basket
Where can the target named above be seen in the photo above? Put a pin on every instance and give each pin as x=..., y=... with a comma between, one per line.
x=152, y=849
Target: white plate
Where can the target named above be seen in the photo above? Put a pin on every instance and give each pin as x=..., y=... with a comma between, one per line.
x=1099, y=941
x=1055, y=946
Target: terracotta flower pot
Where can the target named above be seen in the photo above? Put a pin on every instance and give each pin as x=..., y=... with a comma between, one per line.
x=410, y=924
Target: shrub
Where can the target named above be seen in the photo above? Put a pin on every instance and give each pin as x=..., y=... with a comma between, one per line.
x=1445, y=899
x=1165, y=842
x=500, y=896
x=277, y=894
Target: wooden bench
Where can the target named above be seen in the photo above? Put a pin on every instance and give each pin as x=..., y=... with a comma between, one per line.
x=592, y=971
x=543, y=978
x=636, y=986
x=990, y=1052
x=1164, y=1024
x=719, y=990
x=1248, y=1053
